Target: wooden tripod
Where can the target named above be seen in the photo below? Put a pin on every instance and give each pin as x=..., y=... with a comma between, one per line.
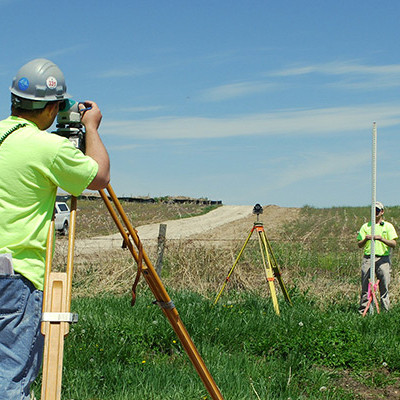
x=56, y=315
x=271, y=267
x=57, y=301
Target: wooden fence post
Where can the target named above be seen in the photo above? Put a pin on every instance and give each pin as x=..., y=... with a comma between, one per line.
x=160, y=248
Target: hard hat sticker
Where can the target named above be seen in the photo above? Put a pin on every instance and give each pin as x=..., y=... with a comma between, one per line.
x=51, y=82
x=23, y=84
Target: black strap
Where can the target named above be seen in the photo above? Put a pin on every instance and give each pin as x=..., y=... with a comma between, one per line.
x=9, y=132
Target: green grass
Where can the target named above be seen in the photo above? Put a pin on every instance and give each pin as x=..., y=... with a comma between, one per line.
x=119, y=352
x=320, y=348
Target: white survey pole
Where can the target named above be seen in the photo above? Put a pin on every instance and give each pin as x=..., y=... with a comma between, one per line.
x=373, y=207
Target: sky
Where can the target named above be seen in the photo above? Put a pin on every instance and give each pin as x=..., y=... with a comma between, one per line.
x=268, y=102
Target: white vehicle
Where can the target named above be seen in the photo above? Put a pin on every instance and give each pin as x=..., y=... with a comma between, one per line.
x=61, y=219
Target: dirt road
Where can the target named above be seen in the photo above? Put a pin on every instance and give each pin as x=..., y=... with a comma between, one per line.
x=221, y=224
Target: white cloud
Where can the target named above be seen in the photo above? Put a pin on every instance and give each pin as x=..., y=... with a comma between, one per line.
x=63, y=51
x=124, y=72
x=235, y=90
x=123, y=147
x=141, y=109
x=356, y=76
x=340, y=68
x=324, y=121
x=321, y=165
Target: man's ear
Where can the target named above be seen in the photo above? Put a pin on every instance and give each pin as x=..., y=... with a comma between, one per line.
x=52, y=105
x=51, y=109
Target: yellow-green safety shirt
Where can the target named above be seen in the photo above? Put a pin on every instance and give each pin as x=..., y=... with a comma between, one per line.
x=386, y=230
x=33, y=163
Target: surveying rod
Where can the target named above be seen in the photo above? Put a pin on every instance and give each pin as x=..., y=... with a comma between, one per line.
x=161, y=295
x=373, y=208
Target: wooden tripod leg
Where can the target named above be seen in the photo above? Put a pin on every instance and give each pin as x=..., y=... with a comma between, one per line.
x=161, y=295
x=233, y=267
x=56, y=315
x=54, y=333
x=268, y=270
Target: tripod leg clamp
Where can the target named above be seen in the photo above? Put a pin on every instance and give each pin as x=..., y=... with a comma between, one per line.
x=72, y=318
x=165, y=305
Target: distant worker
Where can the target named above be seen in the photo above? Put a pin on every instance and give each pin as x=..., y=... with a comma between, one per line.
x=385, y=240
x=33, y=164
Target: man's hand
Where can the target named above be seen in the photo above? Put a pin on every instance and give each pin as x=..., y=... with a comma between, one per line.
x=90, y=114
x=390, y=243
x=91, y=118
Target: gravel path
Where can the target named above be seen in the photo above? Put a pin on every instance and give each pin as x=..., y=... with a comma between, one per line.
x=176, y=229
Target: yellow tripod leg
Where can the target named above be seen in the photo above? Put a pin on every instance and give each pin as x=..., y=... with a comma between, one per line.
x=161, y=295
x=233, y=267
x=56, y=315
x=268, y=270
x=276, y=269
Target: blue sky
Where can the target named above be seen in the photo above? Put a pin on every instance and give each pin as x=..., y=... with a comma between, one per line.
x=267, y=102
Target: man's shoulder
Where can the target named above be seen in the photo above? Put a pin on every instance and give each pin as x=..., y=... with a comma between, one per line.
x=386, y=223
x=389, y=226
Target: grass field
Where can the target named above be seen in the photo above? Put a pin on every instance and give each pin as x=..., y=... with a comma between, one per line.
x=320, y=348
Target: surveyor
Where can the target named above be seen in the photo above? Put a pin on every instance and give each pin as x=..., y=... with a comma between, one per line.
x=33, y=164
x=385, y=240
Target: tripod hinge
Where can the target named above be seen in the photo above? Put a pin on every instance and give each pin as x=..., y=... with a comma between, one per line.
x=165, y=305
x=60, y=317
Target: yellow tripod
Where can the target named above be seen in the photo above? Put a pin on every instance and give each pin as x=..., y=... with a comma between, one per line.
x=271, y=268
x=57, y=301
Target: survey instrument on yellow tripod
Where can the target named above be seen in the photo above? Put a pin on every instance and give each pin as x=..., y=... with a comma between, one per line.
x=271, y=268
x=57, y=300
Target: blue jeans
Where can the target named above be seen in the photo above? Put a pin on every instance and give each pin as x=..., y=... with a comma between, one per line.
x=21, y=343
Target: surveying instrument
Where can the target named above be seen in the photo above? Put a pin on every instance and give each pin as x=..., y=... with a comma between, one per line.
x=271, y=268
x=57, y=317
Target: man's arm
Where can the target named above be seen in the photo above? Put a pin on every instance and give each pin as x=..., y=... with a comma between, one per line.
x=361, y=243
x=387, y=242
x=390, y=243
x=94, y=146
